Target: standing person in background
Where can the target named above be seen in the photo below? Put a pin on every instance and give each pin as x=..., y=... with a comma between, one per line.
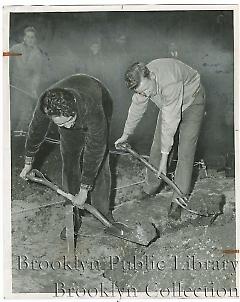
x=96, y=60
x=177, y=91
x=173, y=51
x=25, y=74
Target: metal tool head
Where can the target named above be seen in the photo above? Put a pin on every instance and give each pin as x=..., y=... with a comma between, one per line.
x=139, y=235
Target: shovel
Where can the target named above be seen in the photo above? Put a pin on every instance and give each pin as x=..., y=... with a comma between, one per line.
x=113, y=228
x=183, y=200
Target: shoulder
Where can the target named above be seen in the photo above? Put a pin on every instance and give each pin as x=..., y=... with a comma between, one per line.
x=82, y=83
x=17, y=47
x=163, y=62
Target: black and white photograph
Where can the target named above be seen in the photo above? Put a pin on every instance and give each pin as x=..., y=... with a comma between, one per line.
x=121, y=124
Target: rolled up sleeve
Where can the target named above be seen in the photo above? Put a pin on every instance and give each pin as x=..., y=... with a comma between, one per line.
x=171, y=114
x=135, y=113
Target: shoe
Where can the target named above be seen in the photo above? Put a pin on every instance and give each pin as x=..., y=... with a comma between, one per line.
x=174, y=211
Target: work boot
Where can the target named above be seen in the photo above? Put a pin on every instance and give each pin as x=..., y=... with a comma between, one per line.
x=174, y=211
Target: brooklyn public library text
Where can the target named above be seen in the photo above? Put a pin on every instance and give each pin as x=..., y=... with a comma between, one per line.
x=133, y=263
x=151, y=290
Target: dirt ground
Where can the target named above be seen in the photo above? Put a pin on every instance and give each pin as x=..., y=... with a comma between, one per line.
x=188, y=253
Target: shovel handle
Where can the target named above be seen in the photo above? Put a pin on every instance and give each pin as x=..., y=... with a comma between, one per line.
x=97, y=214
x=38, y=177
x=87, y=207
x=127, y=147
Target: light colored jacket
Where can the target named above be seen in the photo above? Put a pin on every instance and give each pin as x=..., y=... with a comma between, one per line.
x=177, y=86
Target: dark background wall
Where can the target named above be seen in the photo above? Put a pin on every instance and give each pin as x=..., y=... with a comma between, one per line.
x=203, y=39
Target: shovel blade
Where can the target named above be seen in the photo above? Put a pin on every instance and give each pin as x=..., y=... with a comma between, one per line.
x=140, y=235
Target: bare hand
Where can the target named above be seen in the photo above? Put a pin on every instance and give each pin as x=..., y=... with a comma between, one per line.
x=80, y=199
x=121, y=140
x=25, y=171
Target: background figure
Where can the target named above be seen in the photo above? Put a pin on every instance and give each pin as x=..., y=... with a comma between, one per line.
x=204, y=40
x=172, y=50
x=25, y=74
x=96, y=64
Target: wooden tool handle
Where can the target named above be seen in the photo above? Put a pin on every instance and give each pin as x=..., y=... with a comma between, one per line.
x=38, y=177
x=127, y=147
x=88, y=207
x=97, y=214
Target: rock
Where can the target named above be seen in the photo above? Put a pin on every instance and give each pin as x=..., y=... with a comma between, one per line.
x=206, y=202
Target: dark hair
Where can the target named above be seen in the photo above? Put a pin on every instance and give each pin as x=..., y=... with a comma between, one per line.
x=30, y=29
x=134, y=73
x=58, y=102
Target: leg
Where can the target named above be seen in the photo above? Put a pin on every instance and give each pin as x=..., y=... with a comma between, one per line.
x=71, y=147
x=152, y=183
x=100, y=196
x=188, y=137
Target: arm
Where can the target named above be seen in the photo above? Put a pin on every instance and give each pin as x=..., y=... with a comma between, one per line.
x=37, y=131
x=96, y=142
x=36, y=134
x=135, y=113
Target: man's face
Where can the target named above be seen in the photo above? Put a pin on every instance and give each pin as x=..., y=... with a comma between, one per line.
x=147, y=87
x=30, y=38
x=64, y=121
x=95, y=48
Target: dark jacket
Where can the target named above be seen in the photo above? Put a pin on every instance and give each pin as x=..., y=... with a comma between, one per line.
x=94, y=108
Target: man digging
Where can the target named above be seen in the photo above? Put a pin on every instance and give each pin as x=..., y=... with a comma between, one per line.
x=81, y=108
x=177, y=91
